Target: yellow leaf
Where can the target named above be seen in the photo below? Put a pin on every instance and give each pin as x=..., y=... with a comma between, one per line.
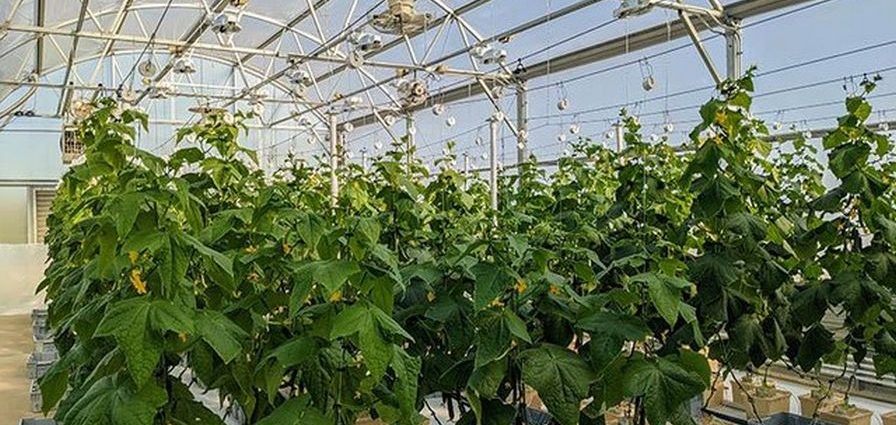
x=521, y=286
x=133, y=256
x=431, y=296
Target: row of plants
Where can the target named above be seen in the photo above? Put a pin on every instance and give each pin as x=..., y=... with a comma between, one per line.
x=611, y=279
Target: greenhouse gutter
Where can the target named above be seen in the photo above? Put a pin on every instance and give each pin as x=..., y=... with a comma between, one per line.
x=640, y=40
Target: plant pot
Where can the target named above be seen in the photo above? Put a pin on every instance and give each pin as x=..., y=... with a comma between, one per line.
x=888, y=418
x=765, y=404
x=810, y=402
x=853, y=416
x=747, y=384
x=716, y=395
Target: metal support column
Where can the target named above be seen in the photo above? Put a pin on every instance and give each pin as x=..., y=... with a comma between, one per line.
x=494, y=125
x=734, y=49
x=334, y=158
x=701, y=49
x=620, y=137
x=410, y=138
x=522, y=122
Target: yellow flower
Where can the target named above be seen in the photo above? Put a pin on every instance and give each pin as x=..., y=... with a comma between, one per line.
x=431, y=296
x=521, y=286
x=133, y=256
x=137, y=281
x=251, y=249
x=496, y=303
x=335, y=297
x=183, y=337
x=286, y=248
x=554, y=290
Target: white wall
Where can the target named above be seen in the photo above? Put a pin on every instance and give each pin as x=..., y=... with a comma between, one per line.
x=21, y=270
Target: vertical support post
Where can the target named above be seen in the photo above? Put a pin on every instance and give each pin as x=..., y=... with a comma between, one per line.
x=334, y=158
x=466, y=170
x=522, y=122
x=620, y=137
x=410, y=137
x=494, y=124
x=734, y=49
x=364, y=159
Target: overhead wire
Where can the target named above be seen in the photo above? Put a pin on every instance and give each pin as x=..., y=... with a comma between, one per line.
x=146, y=47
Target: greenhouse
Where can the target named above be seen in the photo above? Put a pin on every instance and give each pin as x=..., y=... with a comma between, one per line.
x=464, y=212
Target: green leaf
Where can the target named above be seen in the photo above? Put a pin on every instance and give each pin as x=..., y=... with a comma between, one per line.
x=407, y=375
x=297, y=411
x=295, y=351
x=664, y=292
x=664, y=384
x=848, y=157
x=124, y=211
x=53, y=385
x=221, y=260
x=561, y=378
x=516, y=326
x=333, y=274
x=624, y=326
x=815, y=344
x=366, y=320
x=165, y=316
x=112, y=402
x=224, y=336
x=128, y=322
x=491, y=282
x=486, y=379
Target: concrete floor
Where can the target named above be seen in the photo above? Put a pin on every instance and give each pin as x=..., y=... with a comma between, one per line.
x=15, y=345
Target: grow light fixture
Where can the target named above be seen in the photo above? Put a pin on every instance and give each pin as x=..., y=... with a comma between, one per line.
x=629, y=8
x=299, y=77
x=402, y=18
x=365, y=42
x=488, y=54
x=413, y=92
x=226, y=23
x=183, y=65
x=161, y=90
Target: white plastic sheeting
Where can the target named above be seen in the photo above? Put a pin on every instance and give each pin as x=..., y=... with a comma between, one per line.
x=21, y=270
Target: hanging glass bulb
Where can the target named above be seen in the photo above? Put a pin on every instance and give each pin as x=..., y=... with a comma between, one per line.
x=575, y=129
x=649, y=83
x=565, y=152
x=446, y=151
x=521, y=146
x=484, y=156
x=561, y=137
x=563, y=104
x=390, y=120
x=778, y=125
x=450, y=122
x=807, y=134
x=608, y=135
x=438, y=109
x=884, y=126
x=479, y=141
x=669, y=127
x=348, y=127
x=654, y=138
x=349, y=154
x=378, y=145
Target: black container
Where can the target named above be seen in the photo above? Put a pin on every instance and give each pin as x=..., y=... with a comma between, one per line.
x=777, y=419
